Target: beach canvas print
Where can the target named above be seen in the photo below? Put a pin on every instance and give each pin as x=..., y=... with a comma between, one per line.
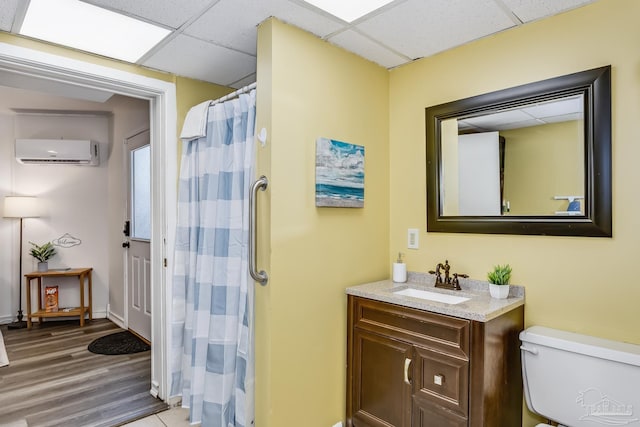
x=339, y=174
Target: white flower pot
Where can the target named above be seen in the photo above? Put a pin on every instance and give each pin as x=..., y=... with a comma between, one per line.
x=43, y=266
x=499, y=291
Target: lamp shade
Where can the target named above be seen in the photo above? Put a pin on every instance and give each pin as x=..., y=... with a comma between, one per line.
x=21, y=207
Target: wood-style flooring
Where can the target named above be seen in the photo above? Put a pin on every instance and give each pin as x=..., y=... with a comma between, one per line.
x=53, y=380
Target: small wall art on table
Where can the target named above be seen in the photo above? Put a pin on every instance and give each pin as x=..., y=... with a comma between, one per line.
x=339, y=174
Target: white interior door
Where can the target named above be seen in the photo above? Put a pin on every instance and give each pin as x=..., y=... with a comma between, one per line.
x=479, y=174
x=138, y=234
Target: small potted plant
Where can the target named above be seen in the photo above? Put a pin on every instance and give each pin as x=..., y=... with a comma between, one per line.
x=499, y=281
x=42, y=253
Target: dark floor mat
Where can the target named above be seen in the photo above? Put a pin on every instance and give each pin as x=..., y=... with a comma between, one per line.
x=118, y=343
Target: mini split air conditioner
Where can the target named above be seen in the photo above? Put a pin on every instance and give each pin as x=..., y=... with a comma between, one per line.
x=57, y=151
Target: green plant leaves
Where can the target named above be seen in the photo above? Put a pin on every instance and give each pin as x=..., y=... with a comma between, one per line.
x=42, y=252
x=500, y=275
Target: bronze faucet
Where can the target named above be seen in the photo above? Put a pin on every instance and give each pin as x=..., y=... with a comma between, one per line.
x=448, y=282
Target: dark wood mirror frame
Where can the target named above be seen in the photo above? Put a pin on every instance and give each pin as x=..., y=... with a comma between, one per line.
x=595, y=85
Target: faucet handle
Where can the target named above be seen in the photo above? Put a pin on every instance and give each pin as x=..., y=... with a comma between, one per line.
x=455, y=282
x=437, y=274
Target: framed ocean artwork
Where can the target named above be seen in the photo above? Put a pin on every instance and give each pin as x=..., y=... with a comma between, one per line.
x=339, y=174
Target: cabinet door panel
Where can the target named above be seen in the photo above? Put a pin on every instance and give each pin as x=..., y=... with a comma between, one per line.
x=430, y=416
x=381, y=397
x=442, y=379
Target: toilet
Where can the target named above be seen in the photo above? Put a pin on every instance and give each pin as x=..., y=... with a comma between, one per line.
x=578, y=380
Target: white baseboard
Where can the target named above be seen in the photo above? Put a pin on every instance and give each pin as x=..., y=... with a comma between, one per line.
x=118, y=320
x=100, y=314
x=6, y=319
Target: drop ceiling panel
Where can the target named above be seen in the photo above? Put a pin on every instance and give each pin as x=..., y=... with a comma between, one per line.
x=528, y=10
x=233, y=23
x=22, y=81
x=556, y=107
x=419, y=28
x=172, y=13
x=244, y=82
x=367, y=48
x=202, y=60
x=7, y=11
x=563, y=118
x=494, y=120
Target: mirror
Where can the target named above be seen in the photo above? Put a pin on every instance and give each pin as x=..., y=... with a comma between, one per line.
x=533, y=159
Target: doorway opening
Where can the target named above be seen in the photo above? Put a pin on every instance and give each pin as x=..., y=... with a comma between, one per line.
x=35, y=68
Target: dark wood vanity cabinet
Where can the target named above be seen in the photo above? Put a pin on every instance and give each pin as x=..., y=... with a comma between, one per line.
x=413, y=368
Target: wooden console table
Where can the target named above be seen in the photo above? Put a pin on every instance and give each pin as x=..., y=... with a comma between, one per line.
x=83, y=274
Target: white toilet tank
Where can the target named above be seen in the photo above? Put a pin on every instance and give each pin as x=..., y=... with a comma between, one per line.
x=579, y=380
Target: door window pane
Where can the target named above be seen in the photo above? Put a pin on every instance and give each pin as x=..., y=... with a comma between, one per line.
x=141, y=192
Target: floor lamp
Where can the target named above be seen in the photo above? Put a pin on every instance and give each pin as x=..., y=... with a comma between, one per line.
x=20, y=207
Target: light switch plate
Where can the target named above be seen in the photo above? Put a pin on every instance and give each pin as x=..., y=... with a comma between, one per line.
x=413, y=240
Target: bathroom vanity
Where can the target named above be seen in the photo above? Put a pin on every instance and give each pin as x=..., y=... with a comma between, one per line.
x=415, y=361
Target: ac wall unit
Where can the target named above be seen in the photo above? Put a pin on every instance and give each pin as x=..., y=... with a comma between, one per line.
x=57, y=151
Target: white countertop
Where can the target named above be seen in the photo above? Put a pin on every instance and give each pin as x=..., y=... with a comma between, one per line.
x=481, y=306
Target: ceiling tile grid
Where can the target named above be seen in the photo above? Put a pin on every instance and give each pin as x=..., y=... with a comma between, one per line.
x=191, y=57
x=361, y=45
x=170, y=13
x=233, y=23
x=529, y=10
x=215, y=40
x=419, y=28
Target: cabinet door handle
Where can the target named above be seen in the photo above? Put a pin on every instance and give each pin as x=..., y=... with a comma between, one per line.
x=407, y=363
x=438, y=379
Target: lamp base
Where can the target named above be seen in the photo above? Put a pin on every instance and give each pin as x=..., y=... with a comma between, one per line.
x=20, y=324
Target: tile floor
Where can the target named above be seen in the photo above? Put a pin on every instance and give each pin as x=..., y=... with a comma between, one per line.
x=174, y=417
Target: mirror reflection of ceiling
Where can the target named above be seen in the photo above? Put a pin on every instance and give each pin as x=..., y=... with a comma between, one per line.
x=222, y=33
x=540, y=113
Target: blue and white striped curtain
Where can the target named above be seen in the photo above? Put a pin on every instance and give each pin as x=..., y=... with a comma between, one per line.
x=212, y=314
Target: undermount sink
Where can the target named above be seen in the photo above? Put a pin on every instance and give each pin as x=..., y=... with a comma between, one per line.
x=431, y=296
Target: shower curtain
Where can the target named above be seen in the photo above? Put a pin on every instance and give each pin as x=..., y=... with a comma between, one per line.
x=212, y=313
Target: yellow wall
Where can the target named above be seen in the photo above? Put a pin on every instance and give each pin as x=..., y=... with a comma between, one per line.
x=310, y=89
x=585, y=285
x=542, y=162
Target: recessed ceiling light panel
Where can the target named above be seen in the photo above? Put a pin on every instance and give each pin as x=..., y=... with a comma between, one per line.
x=349, y=10
x=90, y=28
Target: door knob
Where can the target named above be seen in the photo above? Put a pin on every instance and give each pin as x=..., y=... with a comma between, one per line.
x=126, y=244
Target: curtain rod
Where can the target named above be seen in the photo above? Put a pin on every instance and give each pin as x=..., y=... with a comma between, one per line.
x=238, y=92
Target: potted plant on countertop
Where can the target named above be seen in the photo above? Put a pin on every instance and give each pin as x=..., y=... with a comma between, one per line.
x=42, y=253
x=499, y=281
